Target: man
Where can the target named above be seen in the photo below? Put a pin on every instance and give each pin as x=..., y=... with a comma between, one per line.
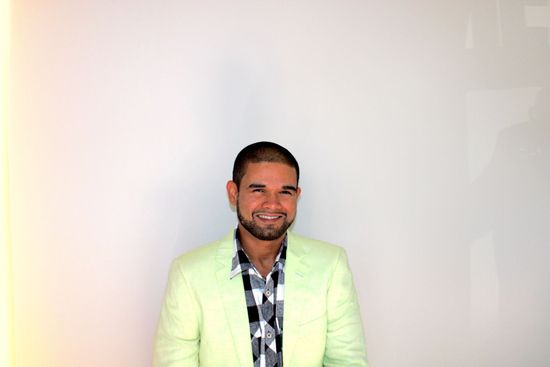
x=261, y=296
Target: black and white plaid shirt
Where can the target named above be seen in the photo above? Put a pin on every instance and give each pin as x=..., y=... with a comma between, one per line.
x=265, y=303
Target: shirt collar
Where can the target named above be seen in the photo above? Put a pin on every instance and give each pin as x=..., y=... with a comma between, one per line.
x=240, y=261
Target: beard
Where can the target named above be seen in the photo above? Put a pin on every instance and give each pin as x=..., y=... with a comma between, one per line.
x=269, y=233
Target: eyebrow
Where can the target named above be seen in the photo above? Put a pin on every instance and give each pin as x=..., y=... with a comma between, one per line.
x=256, y=186
x=290, y=187
x=262, y=186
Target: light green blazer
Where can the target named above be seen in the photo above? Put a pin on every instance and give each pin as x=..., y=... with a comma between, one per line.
x=204, y=321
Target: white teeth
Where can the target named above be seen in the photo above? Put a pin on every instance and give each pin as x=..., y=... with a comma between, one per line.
x=268, y=216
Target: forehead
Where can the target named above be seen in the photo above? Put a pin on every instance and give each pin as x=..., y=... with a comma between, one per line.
x=270, y=172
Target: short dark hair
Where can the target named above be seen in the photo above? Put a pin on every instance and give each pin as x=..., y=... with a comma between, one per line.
x=262, y=151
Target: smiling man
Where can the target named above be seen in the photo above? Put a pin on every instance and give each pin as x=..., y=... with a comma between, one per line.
x=261, y=296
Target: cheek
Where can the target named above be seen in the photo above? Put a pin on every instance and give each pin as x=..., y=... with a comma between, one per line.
x=246, y=203
x=290, y=205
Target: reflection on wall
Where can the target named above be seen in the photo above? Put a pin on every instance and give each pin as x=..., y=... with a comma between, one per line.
x=510, y=201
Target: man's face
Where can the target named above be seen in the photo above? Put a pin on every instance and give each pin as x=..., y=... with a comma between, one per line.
x=266, y=199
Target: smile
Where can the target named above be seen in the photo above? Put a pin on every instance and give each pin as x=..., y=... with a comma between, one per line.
x=269, y=216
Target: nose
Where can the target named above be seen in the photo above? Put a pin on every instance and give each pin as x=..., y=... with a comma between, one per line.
x=271, y=200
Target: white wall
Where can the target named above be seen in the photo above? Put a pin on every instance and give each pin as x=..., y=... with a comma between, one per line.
x=422, y=129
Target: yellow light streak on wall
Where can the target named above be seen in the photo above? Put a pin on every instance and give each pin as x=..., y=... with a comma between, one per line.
x=6, y=301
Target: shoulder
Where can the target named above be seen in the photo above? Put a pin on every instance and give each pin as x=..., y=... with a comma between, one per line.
x=201, y=259
x=311, y=243
x=317, y=251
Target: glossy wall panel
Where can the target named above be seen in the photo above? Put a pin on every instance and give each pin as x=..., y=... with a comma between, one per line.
x=422, y=129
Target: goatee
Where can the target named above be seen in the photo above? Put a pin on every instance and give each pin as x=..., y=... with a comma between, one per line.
x=269, y=233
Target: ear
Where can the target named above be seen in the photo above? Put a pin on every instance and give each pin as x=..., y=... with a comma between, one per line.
x=232, y=192
x=298, y=192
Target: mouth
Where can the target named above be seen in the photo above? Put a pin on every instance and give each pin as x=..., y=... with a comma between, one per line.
x=269, y=217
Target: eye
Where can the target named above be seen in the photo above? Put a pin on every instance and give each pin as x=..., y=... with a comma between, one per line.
x=286, y=192
x=257, y=190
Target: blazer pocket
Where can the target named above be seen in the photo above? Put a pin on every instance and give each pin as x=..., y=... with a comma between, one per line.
x=313, y=331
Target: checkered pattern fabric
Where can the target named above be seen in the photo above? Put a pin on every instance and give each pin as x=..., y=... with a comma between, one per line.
x=265, y=303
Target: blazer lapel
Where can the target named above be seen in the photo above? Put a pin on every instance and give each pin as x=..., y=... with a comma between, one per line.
x=234, y=303
x=297, y=281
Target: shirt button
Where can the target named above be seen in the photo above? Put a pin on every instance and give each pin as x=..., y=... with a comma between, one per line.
x=268, y=293
x=269, y=335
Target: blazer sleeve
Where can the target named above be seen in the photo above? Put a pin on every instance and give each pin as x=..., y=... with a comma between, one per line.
x=345, y=342
x=178, y=333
